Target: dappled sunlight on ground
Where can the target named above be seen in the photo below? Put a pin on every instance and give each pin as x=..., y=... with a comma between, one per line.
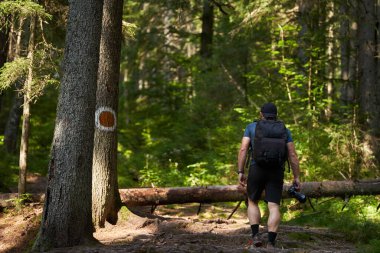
x=174, y=228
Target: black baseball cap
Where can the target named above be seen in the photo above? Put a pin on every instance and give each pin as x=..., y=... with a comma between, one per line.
x=269, y=110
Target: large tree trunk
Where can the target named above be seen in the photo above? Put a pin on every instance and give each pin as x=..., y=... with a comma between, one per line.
x=367, y=79
x=304, y=9
x=348, y=45
x=106, y=201
x=367, y=66
x=24, y=146
x=376, y=91
x=208, y=194
x=67, y=219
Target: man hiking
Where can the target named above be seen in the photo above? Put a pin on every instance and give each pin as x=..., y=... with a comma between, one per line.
x=272, y=144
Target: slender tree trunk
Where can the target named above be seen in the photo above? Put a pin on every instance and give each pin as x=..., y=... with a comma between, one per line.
x=207, y=29
x=13, y=122
x=106, y=201
x=346, y=90
x=67, y=219
x=25, y=130
x=12, y=127
x=17, y=47
x=4, y=35
x=330, y=64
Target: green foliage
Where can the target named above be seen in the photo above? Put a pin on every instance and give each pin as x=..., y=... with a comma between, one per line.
x=186, y=114
x=129, y=30
x=372, y=247
x=181, y=116
x=13, y=71
x=44, y=70
x=23, y=8
x=358, y=221
x=21, y=200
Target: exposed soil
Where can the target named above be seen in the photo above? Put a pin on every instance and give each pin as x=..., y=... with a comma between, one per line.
x=18, y=228
x=171, y=229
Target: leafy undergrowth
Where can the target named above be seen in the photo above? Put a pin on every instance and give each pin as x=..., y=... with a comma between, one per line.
x=356, y=218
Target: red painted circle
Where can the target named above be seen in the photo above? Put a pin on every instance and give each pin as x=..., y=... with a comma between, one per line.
x=106, y=119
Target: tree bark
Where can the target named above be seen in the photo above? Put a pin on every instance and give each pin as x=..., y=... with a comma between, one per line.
x=25, y=130
x=106, y=201
x=366, y=57
x=207, y=29
x=4, y=35
x=208, y=194
x=330, y=64
x=348, y=31
x=367, y=74
x=304, y=9
x=67, y=219
x=12, y=127
x=13, y=122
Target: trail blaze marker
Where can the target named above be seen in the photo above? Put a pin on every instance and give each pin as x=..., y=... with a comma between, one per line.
x=105, y=119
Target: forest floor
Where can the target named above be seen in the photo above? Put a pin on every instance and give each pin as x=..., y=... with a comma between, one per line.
x=172, y=229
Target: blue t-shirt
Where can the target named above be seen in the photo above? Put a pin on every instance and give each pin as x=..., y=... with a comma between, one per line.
x=250, y=133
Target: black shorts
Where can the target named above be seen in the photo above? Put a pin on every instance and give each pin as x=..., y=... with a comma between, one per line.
x=270, y=180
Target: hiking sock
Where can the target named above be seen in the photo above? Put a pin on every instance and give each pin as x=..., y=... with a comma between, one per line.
x=255, y=229
x=272, y=237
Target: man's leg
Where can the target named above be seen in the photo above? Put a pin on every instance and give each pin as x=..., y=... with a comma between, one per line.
x=254, y=216
x=253, y=212
x=273, y=221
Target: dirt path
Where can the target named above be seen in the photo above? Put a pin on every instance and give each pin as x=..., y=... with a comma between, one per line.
x=181, y=230
x=174, y=229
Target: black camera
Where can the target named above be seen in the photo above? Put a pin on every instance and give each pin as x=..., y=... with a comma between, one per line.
x=297, y=195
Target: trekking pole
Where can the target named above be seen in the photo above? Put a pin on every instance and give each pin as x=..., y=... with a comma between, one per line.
x=246, y=165
x=236, y=208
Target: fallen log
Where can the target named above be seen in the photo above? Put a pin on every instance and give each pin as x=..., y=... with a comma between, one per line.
x=208, y=194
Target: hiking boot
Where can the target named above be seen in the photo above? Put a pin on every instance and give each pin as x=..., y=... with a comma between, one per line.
x=255, y=242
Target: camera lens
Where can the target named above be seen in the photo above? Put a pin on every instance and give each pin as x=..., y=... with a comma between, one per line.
x=297, y=195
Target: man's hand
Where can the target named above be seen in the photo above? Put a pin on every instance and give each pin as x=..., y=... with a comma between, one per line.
x=297, y=184
x=242, y=180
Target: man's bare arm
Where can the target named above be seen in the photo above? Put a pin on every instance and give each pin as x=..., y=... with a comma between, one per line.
x=243, y=153
x=294, y=162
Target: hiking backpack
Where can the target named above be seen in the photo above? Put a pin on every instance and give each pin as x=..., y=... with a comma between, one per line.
x=269, y=148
